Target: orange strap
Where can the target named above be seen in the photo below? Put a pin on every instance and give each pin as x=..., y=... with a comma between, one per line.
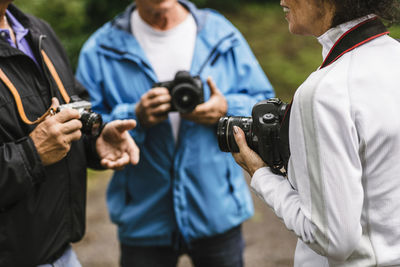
x=56, y=78
x=18, y=100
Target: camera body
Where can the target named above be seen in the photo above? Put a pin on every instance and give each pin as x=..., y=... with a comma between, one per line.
x=262, y=131
x=91, y=122
x=186, y=91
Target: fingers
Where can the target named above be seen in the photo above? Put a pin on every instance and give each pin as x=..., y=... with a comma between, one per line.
x=66, y=115
x=51, y=143
x=123, y=125
x=134, y=154
x=157, y=91
x=73, y=136
x=150, y=117
x=249, y=160
x=216, y=103
x=117, y=163
x=213, y=86
x=54, y=103
x=210, y=111
x=212, y=105
x=198, y=112
x=156, y=97
x=70, y=126
x=157, y=101
x=209, y=105
x=240, y=139
x=116, y=146
x=153, y=106
x=160, y=110
x=65, y=133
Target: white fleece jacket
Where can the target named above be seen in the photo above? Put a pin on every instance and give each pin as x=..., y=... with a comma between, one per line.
x=342, y=195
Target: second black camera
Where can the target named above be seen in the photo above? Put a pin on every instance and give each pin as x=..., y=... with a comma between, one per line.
x=186, y=91
x=263, y=132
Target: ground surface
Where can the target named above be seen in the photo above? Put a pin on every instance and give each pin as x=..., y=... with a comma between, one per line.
x=268, y=243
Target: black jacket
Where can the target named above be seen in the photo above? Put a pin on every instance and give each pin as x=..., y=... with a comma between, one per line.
x=42, y=209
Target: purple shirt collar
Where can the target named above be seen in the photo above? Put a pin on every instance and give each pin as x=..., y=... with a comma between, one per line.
x=20, y=34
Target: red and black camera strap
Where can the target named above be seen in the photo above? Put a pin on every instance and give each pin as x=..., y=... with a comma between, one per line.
x=356, y=36
x=353, y=38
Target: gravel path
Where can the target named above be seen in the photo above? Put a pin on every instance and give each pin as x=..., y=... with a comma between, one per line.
x=268, y=242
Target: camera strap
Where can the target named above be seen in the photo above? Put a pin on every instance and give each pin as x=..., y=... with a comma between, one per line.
x=17, y=97
x=353, y=38
x=356, y=36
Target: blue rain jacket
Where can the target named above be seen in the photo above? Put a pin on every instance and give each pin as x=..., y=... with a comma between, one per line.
x=192, y=188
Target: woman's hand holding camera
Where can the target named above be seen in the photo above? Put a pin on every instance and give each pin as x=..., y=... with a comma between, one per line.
x=53, y=136
x=209, y=112
x=249, y=160
x=153, y=107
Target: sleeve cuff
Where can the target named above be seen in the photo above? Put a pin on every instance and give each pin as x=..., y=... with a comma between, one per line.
x=124, y=111
x=93, y=158
x=31, y=160
x=264, y=184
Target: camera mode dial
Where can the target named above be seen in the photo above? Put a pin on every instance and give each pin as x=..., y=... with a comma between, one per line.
x=268, y=118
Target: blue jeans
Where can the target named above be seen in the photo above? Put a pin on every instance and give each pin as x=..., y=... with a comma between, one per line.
x=224, y=250
x=68, y=259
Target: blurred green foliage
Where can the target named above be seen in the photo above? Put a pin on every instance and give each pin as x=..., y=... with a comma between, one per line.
x=100, y=11
x=73, y=20
x=286, y=59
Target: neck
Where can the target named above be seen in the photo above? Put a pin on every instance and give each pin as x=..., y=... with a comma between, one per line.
x=3, y=19
x=162, y=18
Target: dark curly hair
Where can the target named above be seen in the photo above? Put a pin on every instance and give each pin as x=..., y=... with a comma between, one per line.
x=388, y=10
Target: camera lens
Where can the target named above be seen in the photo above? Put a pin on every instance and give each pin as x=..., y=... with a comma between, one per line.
x=185, y=97
x=91, y=123
x=226, y=140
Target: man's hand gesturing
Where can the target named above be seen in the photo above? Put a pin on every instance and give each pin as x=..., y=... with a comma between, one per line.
x=115, y=145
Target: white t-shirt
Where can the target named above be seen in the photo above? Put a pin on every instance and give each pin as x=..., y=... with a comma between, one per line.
x=168, y=51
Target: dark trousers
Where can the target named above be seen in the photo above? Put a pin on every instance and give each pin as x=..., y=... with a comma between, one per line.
x=224, y=250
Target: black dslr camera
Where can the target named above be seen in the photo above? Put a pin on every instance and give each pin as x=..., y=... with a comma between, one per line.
x=91, y=122
x=263, y=133
x=186, y=91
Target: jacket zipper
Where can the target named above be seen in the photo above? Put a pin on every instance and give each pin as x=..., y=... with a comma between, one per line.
x=45, y=70
x=214, y=51
x=48, y=79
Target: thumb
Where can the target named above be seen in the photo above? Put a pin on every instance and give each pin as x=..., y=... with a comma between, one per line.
x=240, y=138
x=54, y=103
x=134, y=154
x=213, y=87
x=125, y=125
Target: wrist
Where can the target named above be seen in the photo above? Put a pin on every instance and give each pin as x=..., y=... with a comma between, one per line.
x=256, y=168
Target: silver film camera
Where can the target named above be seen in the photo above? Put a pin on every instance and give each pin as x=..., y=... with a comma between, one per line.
x=91, y=122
